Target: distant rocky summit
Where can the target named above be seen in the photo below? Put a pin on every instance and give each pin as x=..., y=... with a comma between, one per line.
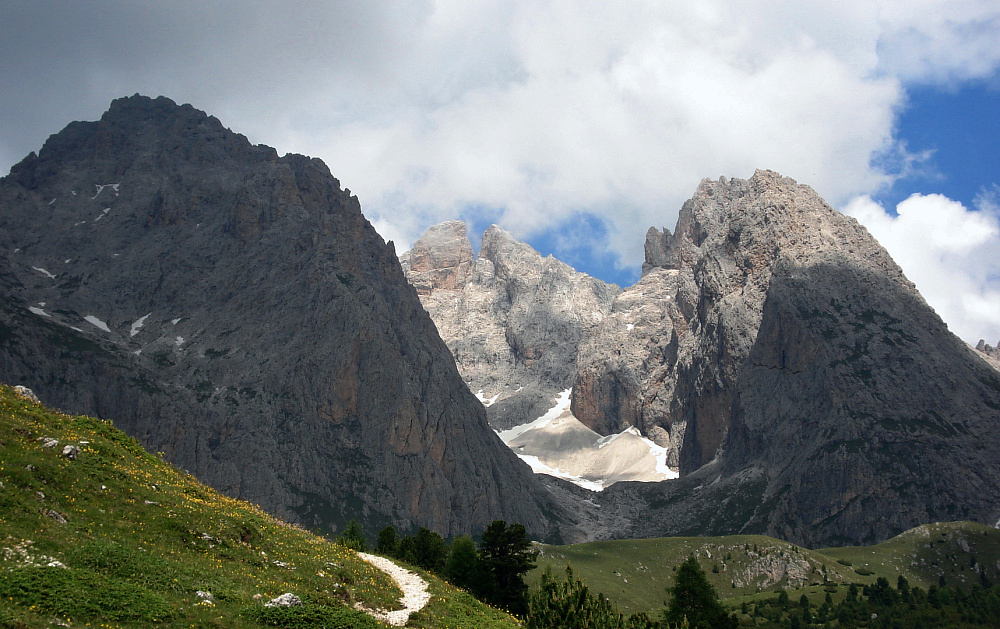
x=991, y=353
x=234, y=310
x=515, y=322
x=824, y=401
x=513, y=319
x=800, y=384
x=987, y=349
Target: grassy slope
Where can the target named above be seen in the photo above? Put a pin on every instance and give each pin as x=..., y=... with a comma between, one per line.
x=141, y=538
x=635, y=574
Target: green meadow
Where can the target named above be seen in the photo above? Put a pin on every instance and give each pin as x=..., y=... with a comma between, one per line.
x=118, y=538
x=635, y=574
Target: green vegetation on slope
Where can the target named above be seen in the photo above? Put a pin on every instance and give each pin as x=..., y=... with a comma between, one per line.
x=635, y=574
x=116, y=537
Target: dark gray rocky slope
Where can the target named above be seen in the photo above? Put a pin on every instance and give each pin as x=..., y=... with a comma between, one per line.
x=236, y=311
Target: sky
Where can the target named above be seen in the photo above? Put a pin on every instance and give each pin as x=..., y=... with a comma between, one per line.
x=576, y=125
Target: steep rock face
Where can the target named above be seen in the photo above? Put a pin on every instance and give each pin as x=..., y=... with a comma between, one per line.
x=514, y=324
x=236, y=311
x=441, y=260
x=668, y=358
x=626, y=369
x=843, y=409
x=861, y=411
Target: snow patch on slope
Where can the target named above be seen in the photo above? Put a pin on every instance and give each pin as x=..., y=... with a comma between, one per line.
x=486, y=400
x=94, y=321
x=559, y=445
x=562, y=406
x=138, y=324
x=101, y=187
x=540, y=468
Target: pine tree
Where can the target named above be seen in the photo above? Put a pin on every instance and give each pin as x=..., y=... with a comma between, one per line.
x=428, y=550
x=506, y=555
x=694, y=598
x=352, y=537
x=462, y=568
x=569, y=605
x=388, y=542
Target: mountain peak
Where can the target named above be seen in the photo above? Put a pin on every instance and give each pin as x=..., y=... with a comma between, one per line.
x=513, y=320
x=441, y=259
x=236, y=311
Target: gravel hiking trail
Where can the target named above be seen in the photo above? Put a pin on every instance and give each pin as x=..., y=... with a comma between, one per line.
x=415, y=594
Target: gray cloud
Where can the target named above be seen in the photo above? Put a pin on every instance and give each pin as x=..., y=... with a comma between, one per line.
x=522, y=112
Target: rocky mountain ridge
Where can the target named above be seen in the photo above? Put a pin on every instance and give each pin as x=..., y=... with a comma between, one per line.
x=512, y=319
x=802, y=386
x=234, y=310
x=989, y=352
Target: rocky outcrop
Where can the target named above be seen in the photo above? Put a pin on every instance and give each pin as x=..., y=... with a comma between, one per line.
x=236, y=311
x=799, y=382
x=513, y=319
x=626, y=369
x=990, y=353
x=668, y=358
x=441, y=260
x=824, y=402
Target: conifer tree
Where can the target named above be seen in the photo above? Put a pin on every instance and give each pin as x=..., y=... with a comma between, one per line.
x=388, y=542
x=352, y=537
x=506, y=555
x=462, y=568
x=428, y=550
x=569, y=605
x=693, y=598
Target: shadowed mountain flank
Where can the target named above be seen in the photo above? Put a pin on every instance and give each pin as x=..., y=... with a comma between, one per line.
x=234, y=310
x=799, y=383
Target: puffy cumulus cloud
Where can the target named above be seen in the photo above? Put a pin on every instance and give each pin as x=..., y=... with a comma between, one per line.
x=536, y=112
x=932, y=42
x=524, y=112
x=949, y=251
x=586, y=107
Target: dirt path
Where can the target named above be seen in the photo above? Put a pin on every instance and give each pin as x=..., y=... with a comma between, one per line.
x=415, y=594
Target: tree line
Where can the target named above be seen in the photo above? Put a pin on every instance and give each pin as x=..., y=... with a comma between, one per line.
x=492, y=570
x=880, y=605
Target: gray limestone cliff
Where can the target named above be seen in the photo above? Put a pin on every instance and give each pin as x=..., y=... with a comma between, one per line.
x=822, y=400
x=668, y=358
x=234, y=310
x=802, y=386
x=513, y=319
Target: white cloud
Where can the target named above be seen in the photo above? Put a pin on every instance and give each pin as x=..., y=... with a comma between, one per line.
x=526, y=112
x=536, y=111
x=936, y=42
x=949, y=251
